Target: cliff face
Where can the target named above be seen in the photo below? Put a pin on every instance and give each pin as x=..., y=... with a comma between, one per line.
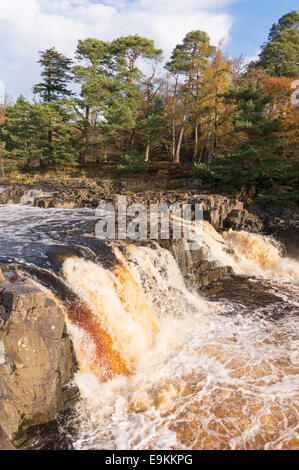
x=36, y=360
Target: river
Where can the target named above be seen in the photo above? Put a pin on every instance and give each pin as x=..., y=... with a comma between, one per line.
x=182, y=371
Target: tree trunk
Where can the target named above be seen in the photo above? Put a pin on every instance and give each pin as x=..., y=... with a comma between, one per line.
x=147, y=151
x=173, y=142
x=50, y=141
x=132, y=140
x=178, y=149
x=195, y=154
x=173, y=121
x=215, y=143
x=2, y=168
x=83, y=152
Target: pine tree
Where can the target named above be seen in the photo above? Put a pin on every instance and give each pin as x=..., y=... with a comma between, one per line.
x=250, y=166
x=48, y=118
x=17, y=131
x=94, y=74
x=189, y=59
x=280, y=55
x=56, y=74
x=25, y=131
x=125, y=100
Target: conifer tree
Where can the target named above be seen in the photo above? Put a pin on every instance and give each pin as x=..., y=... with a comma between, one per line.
x=17, y=131
x=250, y=165
x=280, y=55
x=189, y=59
x=25, y=132
x=93, y=73
x=56, y=75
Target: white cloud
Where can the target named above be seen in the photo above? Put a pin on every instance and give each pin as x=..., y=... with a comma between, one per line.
x=32, y=25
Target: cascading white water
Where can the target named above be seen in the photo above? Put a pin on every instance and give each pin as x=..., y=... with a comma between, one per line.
x=200, y=375
x=247, y=253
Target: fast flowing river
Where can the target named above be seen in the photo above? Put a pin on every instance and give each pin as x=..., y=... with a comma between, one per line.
x=175, y=370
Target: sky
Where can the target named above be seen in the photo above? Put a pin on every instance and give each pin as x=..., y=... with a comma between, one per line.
x=27, y=26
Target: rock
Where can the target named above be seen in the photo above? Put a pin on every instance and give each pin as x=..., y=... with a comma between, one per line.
x=62, y=204
x=2, y=279
x=5, y=443
x=242, y=220
x=38, y=358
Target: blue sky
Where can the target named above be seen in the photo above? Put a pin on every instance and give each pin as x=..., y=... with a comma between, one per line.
x=252, y=20
x=32, y=25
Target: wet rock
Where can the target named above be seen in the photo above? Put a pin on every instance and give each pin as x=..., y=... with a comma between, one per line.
x=61, y=204
x=38, y=360
x=242, y=220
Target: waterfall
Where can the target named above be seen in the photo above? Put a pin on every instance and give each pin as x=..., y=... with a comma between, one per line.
x=160, y=366
x=247, y=253
x=120, y=312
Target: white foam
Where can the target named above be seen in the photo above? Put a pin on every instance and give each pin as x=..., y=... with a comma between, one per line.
x=246, y=360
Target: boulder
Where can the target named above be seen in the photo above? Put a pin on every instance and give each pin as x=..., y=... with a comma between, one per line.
x=37, y=359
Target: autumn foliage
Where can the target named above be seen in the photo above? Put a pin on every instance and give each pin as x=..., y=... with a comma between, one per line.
x=235, y=125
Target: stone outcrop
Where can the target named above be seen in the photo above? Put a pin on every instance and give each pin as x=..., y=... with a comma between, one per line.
x=36, y=359
x=5, y=443
x=199, y=273
x=222, y=212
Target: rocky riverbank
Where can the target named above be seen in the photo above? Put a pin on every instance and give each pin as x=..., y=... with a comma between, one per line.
x=222, y=211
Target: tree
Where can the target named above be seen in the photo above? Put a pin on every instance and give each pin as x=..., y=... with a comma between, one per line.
x=189, y=59
x=280, y=55
x=94, y=74
x=278, y=91
x=17, y=132
x=153, y=124
x=127, y=50
x=2, y=114
x=57, y=120
x=56, y=73
x=250, y=166
x=25, y=132
x=210, y=113
x=2, y=153
x=125, y=100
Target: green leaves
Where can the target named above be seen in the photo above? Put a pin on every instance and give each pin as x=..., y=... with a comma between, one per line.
x=280, y=55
